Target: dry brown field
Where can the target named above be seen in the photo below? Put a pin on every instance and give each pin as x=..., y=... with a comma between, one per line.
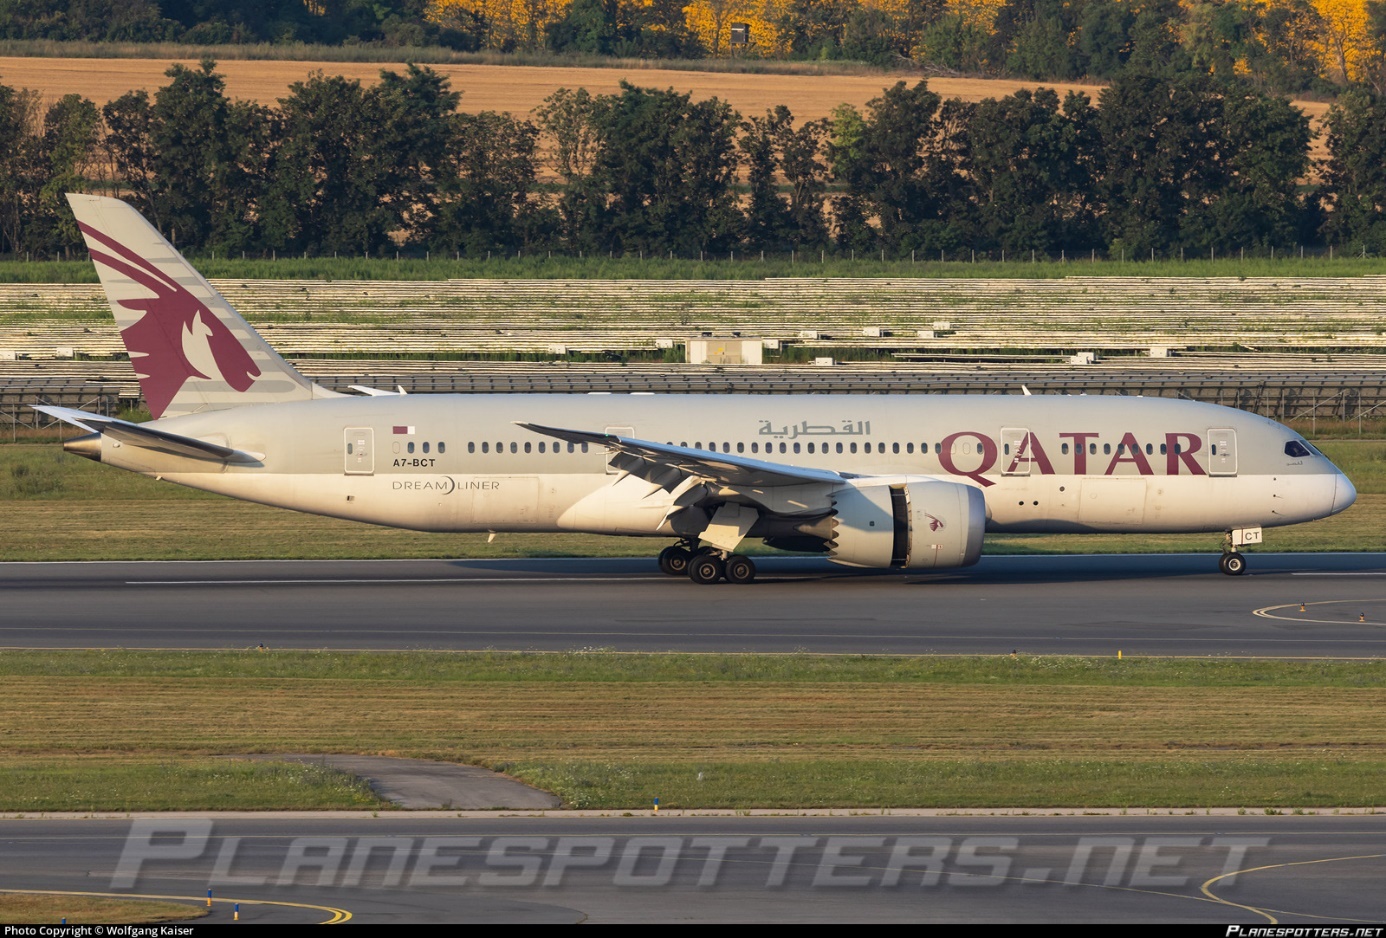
x=520, y=89
x=516, y=89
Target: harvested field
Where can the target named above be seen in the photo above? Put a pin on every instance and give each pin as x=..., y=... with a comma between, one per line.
x=520, y=89
x=516, y=89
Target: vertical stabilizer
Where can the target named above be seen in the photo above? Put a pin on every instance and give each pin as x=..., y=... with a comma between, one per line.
x=191, y=350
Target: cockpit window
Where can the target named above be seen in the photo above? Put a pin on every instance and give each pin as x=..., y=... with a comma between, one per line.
x=1297, y=449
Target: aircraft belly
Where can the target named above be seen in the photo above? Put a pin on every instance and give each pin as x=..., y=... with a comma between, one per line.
x=618, y=505
x=423, y=503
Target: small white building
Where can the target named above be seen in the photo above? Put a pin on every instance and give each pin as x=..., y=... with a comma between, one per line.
x=725, y=350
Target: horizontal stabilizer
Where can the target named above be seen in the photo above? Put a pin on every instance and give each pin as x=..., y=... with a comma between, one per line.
x=145, y=437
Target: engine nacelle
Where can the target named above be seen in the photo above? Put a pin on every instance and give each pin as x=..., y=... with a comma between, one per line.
x=910, y=522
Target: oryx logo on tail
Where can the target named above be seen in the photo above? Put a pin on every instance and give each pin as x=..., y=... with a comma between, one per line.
x=177, y=337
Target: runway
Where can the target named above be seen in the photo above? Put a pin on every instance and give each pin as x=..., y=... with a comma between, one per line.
x=1085, y=605
x=1197, y=869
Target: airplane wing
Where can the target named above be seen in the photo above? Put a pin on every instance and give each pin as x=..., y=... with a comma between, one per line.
x=669, y=466
x=139, y=435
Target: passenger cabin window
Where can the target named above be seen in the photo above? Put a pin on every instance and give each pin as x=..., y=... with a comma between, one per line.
x=1296, y=449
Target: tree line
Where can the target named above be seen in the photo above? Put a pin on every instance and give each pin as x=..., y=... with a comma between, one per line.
x=1162, y=162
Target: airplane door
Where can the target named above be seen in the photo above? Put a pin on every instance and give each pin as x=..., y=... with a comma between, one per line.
x=1222, y=452
x=359, y=451
x=1015, y=460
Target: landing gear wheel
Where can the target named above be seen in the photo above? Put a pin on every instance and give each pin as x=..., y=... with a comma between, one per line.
x=674, y=561
x=740, y=569
x=706, y=568
x=1232, y=564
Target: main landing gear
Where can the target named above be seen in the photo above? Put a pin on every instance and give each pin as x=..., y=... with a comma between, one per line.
x=706, y=564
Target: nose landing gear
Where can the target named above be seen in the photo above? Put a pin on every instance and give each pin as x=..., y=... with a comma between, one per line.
x=1232, y=563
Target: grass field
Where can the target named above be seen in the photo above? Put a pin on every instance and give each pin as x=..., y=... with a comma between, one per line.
x=39, y=909
x=60, y=507
x=121, y=730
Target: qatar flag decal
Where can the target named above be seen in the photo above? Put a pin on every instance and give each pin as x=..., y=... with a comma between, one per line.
x=404, y=431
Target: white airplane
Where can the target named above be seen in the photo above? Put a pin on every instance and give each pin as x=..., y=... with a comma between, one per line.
x=907, y=481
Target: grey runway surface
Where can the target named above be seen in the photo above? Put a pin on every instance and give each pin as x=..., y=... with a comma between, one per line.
x=1092, y=605
x=1319, y=870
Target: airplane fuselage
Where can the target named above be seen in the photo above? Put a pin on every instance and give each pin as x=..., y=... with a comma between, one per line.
x=1043, y=463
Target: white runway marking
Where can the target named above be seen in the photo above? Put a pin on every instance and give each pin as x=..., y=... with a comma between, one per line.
x=1269, y=612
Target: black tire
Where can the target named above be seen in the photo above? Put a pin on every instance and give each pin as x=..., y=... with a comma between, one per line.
x=740, y=569
x=706, y=568
x=1232, y=564
x=674, y=561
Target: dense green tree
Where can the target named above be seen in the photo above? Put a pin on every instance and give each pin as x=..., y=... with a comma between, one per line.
x=662, y=174
x=1104, y=37
x=813, y=28
x=57, y=162
x=488, y=202
x=1155, y=46
x=325, y=190
x=569, y=118
x=774, y=148
x=868, y=37
x=1288, y=32
x=128, y=144
x=953, y=42
x=1160, y=142
x=1032, y=167
x=1354, y=177
x=907, y=168
x=190, y=152
x=90, y=20
x=805, y=174
x=1196, y=164
x=354, y=166
x=1265, y=149
x=588, y=26
x=18, y=113
x=1031, y=38
x=417, y=114
x=1374, y=68
x=252, y=136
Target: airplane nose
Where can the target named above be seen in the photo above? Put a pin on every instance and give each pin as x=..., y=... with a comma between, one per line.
x=1344, y=494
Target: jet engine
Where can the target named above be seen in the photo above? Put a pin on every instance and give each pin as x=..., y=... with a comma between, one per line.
x=908, y=522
